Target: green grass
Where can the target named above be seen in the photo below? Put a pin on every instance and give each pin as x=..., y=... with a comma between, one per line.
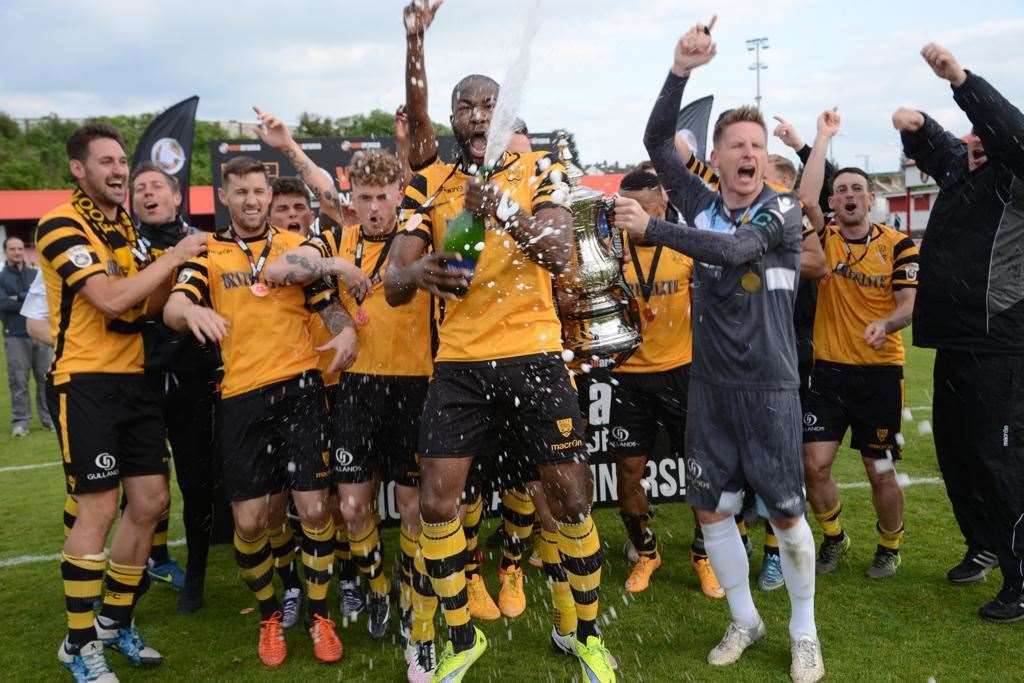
x=909, y=628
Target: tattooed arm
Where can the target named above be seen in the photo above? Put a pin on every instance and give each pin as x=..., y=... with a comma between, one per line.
x=305, y=264
x=336, y=318
x=344, y=343
x=272, y=131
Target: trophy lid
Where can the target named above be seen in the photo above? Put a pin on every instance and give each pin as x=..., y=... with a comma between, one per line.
x=573, y=173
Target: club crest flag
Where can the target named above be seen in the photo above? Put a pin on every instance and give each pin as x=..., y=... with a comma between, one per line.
x=692, y=123
x=167, y=142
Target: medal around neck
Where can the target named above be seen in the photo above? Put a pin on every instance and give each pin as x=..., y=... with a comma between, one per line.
x=751, y=282
x=259, y=289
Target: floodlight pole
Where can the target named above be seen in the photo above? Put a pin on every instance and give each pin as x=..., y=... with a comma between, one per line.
x=755, y=45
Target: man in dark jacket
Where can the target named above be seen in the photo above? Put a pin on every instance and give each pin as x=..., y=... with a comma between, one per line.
x=970, y=307
x=185, y=376
x=24, y=354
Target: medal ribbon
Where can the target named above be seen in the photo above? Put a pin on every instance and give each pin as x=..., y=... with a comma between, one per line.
x=381, y=258
x=255, y=267
x=646, y=284
x=849, y=251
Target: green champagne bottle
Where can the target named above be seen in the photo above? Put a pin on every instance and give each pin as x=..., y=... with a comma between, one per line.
x=465, y=236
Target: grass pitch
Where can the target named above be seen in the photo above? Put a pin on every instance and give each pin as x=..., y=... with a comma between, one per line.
x=912, y=627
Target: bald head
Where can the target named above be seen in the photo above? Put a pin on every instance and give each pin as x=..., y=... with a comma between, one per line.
x=473, y=82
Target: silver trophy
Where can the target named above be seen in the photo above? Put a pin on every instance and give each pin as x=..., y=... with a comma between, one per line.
x=600, y=316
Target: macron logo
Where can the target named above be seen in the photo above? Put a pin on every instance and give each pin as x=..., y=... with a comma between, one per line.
x=785, y=204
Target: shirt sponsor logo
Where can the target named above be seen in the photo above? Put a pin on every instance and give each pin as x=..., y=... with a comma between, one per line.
x=79, y=255
x=862, y=279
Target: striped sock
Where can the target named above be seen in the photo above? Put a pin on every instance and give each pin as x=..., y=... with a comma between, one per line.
x=771, y=541
x=562, y=603
x=366, y=553
x=697, y=548
x=122, y=584
x=889, y=541
x=409, y=545
x=158, y=553
x=347, y=570
x=517, y=516
x=471, y=529
x=256, y=567
x=424, y=601
x=282, y=547
x=581, y=557
x=317, y=562
x=83, y=584
x=639, y=531
x=444, y=552
x=831, y=521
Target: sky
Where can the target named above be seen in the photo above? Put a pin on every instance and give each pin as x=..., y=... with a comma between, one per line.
x=597, y=64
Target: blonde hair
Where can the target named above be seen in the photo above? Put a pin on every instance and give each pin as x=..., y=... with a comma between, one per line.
x=374, y=167
x=746, y=113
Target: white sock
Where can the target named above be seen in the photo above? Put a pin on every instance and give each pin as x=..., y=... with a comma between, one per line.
x=729, y=560
x=796, y=550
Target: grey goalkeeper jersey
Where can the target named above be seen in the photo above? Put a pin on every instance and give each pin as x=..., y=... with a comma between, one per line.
x=746, y=271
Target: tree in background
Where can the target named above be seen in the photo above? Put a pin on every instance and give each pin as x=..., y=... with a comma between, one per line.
x=35, y=159
x=378, y=123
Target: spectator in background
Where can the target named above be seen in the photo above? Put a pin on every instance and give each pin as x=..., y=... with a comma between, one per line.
x=24, y=354
x=970, y=308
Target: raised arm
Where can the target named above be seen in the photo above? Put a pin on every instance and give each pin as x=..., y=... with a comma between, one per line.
x=786, y=132
x=273, y=131
x=685, y=190
x=418, y=15
x=998, y=123
x=813, y=179
x=936, y=151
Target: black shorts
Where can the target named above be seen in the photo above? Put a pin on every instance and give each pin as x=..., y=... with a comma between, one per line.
x=108, y=427
x=467, y=404
x=272, y=439
x=866, y=399
x=376, y=426
x=625, y=409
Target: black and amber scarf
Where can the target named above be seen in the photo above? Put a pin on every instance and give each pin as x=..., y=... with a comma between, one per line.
x=129, y=253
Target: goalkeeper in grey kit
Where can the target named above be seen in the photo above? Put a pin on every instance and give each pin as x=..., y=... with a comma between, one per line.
x=745, y=417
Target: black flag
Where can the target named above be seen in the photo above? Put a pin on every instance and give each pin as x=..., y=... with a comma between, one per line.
x=694, y=118
x=168, y=143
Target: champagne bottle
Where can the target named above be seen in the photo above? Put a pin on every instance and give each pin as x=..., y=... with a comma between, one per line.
x=465, y=236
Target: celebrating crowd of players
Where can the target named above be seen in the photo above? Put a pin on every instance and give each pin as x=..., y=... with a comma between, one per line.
x=771, y=319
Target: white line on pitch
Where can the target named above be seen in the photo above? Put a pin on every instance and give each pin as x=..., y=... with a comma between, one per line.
x=30, y=559
x=18, y=468
x=913, y=481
